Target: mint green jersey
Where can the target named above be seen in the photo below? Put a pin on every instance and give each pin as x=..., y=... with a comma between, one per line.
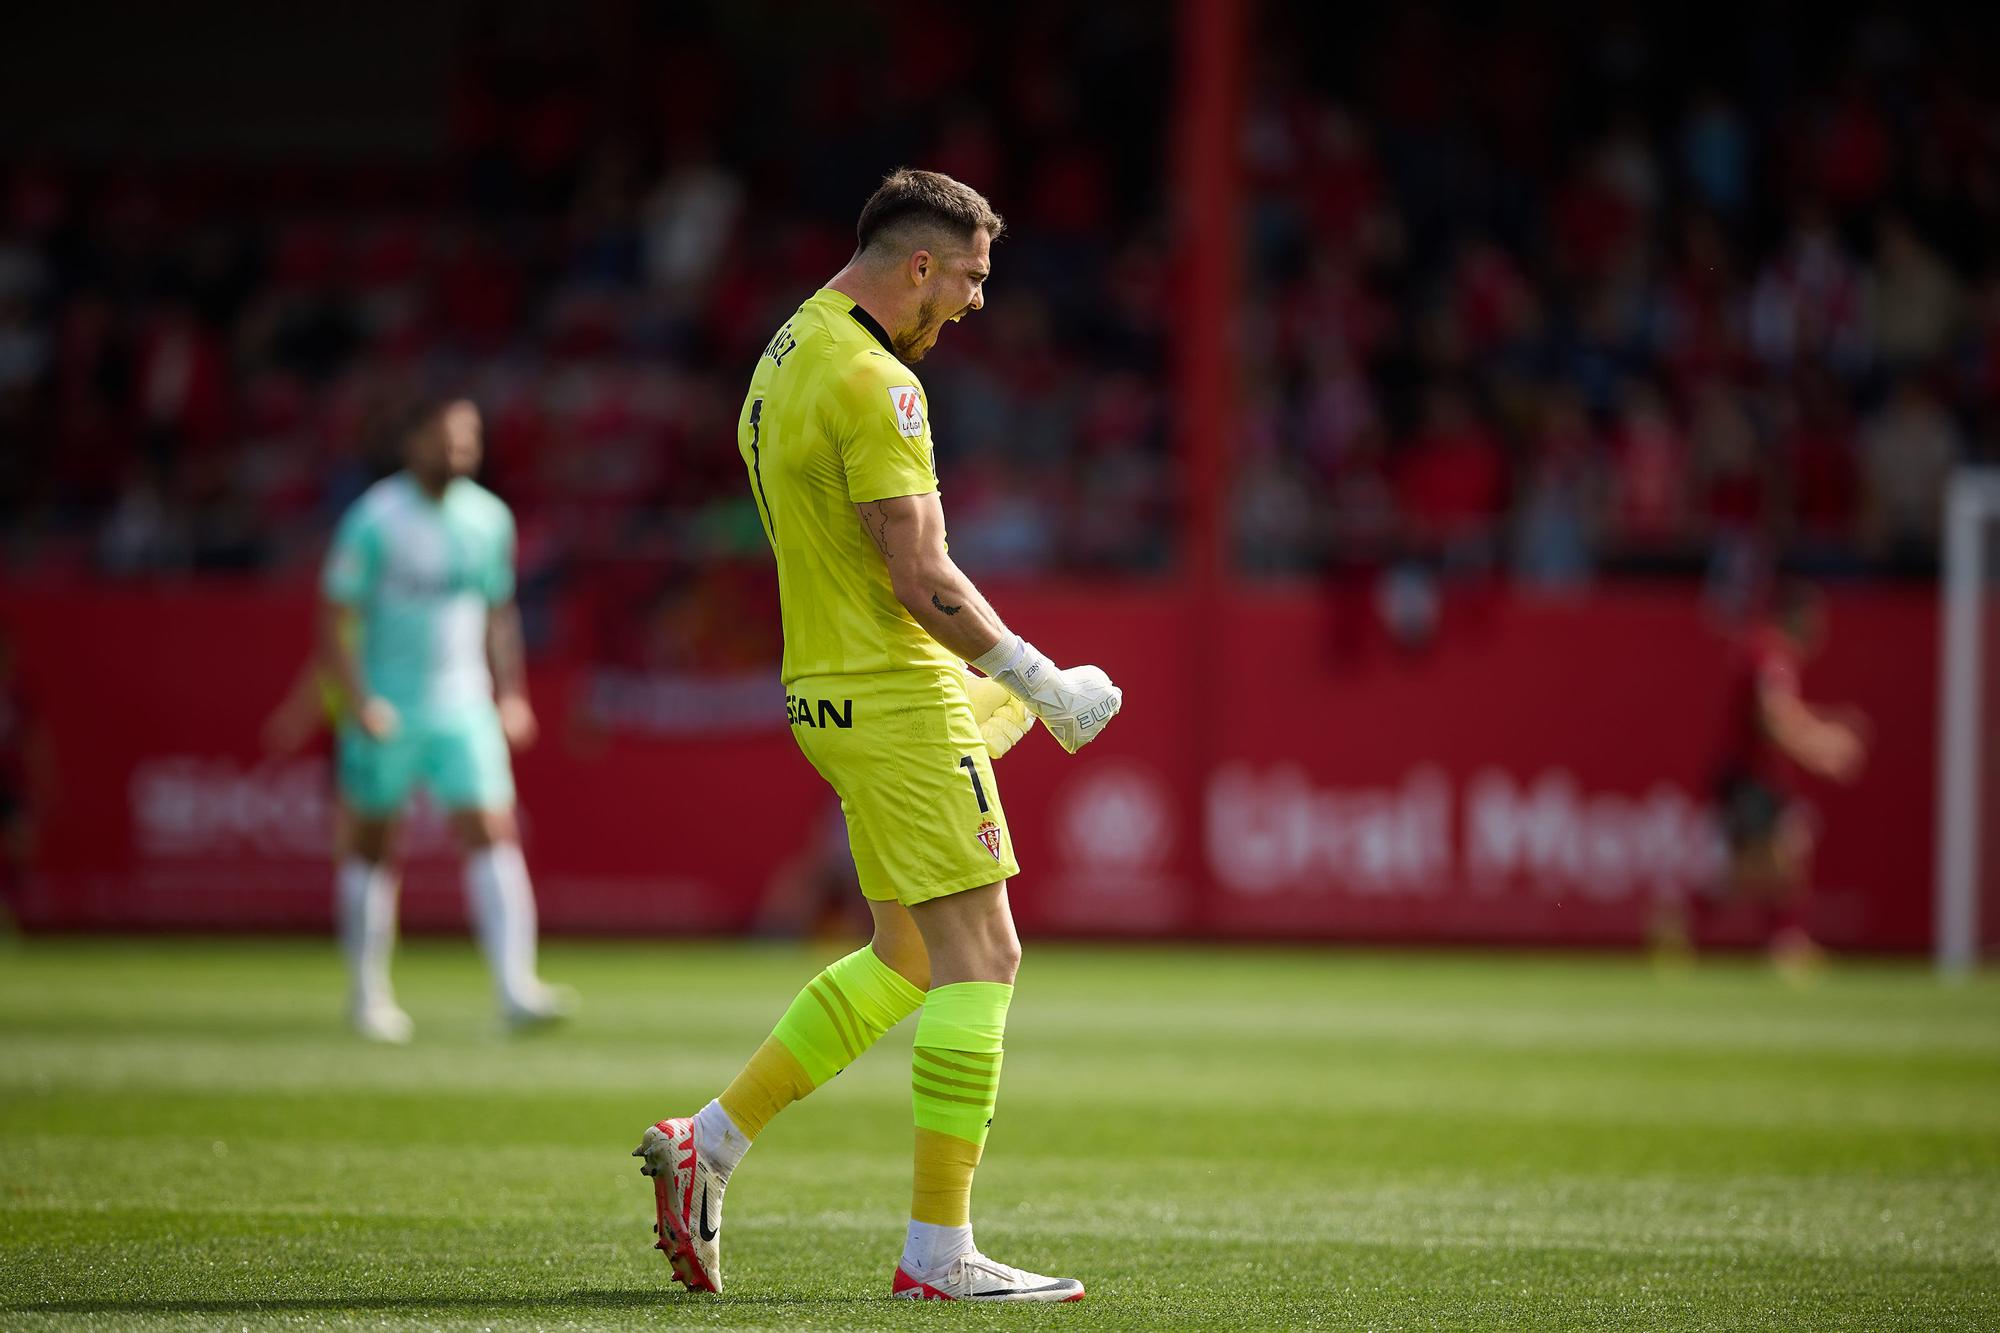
x=422, y=573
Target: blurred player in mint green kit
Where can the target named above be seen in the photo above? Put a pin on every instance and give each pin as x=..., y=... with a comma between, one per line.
x=420, y=630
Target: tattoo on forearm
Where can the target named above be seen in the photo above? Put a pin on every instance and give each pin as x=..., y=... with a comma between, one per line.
x=938, y=602
x=877, y=524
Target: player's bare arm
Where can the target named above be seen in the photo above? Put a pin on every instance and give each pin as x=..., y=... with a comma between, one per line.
x=507, y=655
x=908, y=531
x=940, y=597
x=1824, y=747
x=298, y=715
x=338, y=658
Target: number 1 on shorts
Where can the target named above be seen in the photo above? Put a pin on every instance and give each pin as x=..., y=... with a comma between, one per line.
x=978, y=791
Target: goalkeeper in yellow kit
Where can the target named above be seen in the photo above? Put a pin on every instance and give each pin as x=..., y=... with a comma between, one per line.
x=878, y=622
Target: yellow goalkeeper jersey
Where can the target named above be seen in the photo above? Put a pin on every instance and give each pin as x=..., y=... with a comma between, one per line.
x=833, y=419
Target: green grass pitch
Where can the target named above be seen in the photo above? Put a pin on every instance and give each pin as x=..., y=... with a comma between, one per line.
x=1211, y=1139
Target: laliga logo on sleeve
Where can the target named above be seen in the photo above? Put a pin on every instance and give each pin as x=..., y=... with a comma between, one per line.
x=909, y=408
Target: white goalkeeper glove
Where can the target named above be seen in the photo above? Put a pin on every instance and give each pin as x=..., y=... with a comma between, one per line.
x=1002, y=718
x=1075, y=705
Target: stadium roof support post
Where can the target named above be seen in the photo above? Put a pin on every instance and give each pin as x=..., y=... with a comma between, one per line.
x=1207, y=266
x=1207, y=236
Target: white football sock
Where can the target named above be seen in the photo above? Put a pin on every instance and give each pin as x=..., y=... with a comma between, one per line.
x=365, y=909
x=931, y=1247
x=720, y=1141
x=502, y=904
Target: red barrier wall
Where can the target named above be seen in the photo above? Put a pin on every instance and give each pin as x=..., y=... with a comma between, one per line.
x=1539, y=775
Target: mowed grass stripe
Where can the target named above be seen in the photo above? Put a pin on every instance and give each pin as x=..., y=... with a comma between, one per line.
x=187, y=1139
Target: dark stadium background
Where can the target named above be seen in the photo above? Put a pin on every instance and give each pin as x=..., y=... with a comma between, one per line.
x=1408, y=406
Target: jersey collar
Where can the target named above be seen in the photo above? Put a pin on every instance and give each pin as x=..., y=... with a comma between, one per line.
x=423, y=496
x=867, y=321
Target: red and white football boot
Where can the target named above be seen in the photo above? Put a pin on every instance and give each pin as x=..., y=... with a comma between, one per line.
x=974, y=1277
x=687, y=1194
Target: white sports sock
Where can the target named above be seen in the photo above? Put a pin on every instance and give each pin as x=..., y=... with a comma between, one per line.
x=502, y=904
x=931, y=1247
x=365, y=910
x=719, y=1140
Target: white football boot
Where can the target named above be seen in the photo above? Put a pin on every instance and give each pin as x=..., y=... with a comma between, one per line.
x=687, y=1196
x=539, y=1008
x=974, y=1277
x=382, y=1021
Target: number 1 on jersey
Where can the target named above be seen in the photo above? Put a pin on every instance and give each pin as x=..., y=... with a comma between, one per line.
x=757, y=466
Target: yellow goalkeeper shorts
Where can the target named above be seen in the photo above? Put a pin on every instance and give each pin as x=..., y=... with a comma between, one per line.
x=915, y=783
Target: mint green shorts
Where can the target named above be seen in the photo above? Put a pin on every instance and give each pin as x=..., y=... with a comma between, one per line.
x=460, y=758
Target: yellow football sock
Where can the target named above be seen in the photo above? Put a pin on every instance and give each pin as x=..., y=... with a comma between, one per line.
x=839, y=1014
x=943, y=1192
x=772, y=1080
x=955, y=1083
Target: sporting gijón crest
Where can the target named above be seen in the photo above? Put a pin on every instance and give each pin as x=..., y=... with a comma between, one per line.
x=989, y=834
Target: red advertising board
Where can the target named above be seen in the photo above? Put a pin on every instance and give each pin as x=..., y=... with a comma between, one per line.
x=1540, y=773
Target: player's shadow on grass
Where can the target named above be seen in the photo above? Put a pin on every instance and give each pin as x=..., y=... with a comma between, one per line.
x=638, y=1299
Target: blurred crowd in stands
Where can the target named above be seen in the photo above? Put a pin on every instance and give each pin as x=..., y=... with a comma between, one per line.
x=1673, y=294
x=1555, y=298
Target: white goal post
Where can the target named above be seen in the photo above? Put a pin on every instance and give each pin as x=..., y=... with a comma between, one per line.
x=1968, y=589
